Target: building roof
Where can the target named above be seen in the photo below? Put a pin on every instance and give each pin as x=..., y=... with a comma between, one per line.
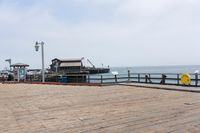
x=69, y=60
x=71, y=64
x=19, y=65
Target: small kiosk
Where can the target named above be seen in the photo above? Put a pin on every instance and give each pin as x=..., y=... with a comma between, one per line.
x=20, y=71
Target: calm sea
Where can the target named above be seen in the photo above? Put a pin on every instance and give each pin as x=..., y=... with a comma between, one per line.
x=157, y=69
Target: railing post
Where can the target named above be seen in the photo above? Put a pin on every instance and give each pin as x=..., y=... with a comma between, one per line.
x=129, y=75
x=101, y=79
x=163, y=79
x=150, y=78
x=138, y=78
x=178, y=81
x=115, y=78
x=196, y=80
x=146, y=78
x=88, y=78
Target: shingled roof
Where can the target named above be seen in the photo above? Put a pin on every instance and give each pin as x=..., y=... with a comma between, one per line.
x=19, y=65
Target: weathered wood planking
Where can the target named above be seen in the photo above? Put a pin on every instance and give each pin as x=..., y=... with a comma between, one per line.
x=113, y=109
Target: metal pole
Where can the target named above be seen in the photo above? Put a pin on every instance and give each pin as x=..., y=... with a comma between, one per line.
x=101, y=79
x=146, y=78
x=115, y=78
x=138, y=78
x=18, y=75
x=196, y=80
x=178, y=79
x=10, y=65
x=43, y=71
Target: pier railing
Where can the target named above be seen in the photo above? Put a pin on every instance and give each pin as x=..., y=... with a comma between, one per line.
x=146, y=78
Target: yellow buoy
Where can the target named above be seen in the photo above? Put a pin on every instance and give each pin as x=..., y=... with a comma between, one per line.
x=186, y=79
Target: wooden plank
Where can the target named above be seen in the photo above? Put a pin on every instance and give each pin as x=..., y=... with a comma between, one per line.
x=108, y=109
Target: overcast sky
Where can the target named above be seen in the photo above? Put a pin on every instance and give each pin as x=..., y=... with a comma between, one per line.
x=112, y=32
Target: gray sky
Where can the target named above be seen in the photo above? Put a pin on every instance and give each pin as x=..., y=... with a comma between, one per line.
x=113, y=32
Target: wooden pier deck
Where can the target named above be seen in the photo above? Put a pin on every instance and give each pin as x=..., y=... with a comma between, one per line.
x=108, y=109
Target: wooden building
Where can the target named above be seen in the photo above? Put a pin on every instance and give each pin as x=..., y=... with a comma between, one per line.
x=73, y=69
x=67, y=66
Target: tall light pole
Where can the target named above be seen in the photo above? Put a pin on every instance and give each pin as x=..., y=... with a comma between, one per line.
x=42, y=50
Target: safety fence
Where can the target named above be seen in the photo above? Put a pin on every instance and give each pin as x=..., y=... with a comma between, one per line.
x=147, y=78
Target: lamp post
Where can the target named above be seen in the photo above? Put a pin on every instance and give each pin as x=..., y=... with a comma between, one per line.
x=42, y=52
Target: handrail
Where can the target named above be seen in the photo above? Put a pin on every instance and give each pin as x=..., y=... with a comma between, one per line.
x=148, y=78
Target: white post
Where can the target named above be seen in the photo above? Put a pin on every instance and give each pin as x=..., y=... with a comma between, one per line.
x=42, y=53
x=43, y=71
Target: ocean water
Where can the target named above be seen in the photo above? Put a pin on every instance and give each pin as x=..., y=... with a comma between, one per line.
x=157, y=69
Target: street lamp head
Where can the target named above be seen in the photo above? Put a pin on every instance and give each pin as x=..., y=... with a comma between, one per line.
x=36, y=46
x=42, y=43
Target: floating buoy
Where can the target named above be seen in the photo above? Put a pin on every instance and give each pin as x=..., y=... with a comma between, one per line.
x=186, y=79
